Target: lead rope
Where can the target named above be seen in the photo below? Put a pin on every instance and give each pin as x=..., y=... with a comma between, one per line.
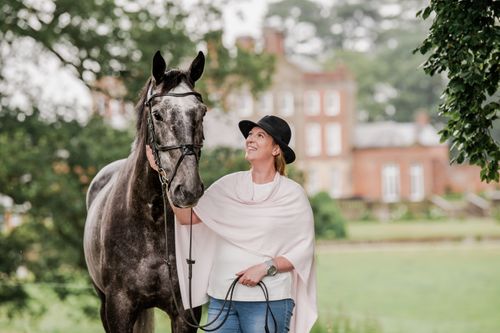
x=229, y=294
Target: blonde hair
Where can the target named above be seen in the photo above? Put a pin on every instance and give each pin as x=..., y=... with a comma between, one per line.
x=280, y=163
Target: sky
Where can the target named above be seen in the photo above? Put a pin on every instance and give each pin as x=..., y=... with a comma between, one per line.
x=243, y=18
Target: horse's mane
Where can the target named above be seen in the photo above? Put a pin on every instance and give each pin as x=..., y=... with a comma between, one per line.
x=170, y=80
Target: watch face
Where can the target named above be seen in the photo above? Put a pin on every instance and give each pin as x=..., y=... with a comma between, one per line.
x=272, y=270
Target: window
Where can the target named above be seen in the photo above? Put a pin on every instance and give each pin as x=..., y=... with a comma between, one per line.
x=390, y=182
x=332, y=103
x=286, y=103
x=266, y=104
x=312, y=102
x=244, y=104
x=336, y=183
x=313, y=181
x=333, y=139
x=292, y=138
x=313, y=139
x=417, y=182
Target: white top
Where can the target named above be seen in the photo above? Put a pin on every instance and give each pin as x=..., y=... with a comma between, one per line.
x=229, y=211
x=231, y=259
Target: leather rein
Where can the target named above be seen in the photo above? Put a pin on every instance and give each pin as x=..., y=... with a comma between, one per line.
x=187, y=149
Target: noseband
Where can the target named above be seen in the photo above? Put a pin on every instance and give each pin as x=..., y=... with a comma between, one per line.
x=186, y=148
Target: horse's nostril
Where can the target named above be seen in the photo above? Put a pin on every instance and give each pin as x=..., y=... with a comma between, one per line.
x=179, y=191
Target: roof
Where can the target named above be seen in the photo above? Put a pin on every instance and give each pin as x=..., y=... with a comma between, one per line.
x=393, y=134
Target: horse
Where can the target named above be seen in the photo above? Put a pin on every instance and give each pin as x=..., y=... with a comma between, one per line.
x=125, y=236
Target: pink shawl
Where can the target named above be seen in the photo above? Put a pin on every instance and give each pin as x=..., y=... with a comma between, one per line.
x=227, y=210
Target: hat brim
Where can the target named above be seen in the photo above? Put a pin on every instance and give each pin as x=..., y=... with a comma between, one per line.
x=247, y=125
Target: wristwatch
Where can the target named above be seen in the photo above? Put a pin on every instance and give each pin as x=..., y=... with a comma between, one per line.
x=271, y=268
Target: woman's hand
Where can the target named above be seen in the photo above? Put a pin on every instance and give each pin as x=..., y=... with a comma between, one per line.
x=252, y=275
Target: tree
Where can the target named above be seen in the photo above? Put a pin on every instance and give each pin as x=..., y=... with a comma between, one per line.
x=49, y=165
x=464, y=42
x=374, y=40
x=389, y=84
x=328, y=220
x=96, y=38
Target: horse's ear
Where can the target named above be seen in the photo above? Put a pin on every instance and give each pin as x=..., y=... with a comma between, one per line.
x=197, y=66
x=159, y=67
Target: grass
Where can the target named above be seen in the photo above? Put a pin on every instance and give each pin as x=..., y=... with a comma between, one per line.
x=438, y=290
x=361, y=288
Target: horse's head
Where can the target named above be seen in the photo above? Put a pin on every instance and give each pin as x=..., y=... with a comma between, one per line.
x=175, y=128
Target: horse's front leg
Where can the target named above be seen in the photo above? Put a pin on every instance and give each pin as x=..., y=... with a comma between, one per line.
x=120, y=311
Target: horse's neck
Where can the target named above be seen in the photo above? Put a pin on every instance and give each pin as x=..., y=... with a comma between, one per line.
x=143, y=184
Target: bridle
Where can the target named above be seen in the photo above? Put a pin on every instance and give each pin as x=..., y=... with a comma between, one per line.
x=187, y=149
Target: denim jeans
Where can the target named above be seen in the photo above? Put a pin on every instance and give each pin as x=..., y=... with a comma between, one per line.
x=250, y=317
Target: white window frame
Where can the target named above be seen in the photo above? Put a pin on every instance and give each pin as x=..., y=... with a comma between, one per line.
x=333, y=139
x=312, y=102
x=266, y=103
x=390, y=182
x=244, y=104
x=313, y=139
x=286, y=103
x=332, y=103
x=313, y=181
x=417, y=187
x=336, y=183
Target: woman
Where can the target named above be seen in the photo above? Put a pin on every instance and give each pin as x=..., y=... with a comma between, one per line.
x=259, y=224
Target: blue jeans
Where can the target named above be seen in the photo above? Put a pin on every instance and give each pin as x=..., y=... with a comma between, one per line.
x=250, y=317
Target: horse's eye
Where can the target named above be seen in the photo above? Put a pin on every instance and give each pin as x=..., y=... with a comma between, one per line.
x=157, y=116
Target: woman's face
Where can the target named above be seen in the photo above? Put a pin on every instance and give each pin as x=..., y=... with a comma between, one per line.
x=260, y=146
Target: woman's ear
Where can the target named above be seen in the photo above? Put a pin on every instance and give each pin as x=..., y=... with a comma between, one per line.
x=276, y=150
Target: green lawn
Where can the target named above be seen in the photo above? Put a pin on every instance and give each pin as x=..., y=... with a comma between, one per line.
x=414, y=288
x=438, y=290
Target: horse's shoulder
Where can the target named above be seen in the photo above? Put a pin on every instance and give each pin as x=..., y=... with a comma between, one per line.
x=102, y=178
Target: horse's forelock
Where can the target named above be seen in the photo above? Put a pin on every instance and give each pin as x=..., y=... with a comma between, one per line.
x=171, y=79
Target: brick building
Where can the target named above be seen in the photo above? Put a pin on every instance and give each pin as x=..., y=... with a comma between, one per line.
x=375, y=162
x=379, y=162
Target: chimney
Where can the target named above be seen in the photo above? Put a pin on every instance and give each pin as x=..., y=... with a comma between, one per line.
x=274, y=41
x=246, y=43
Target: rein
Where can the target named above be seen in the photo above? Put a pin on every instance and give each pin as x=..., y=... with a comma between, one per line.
x=168, y=215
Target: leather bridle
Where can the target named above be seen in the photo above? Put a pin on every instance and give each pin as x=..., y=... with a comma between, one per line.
x=186, y=148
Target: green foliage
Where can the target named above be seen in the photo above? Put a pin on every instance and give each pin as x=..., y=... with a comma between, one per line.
x=225, y=72
x=328, y=221
x=50, y=165
x=464, y=42
x=13, y=295
x=97, y=38
x=343, y=323
x=220, y=161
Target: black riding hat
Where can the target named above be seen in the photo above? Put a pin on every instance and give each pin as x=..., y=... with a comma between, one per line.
x=277, y=128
